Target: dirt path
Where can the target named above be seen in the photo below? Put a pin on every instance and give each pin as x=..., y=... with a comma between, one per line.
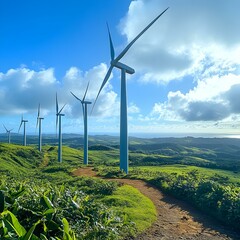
x=175, y=218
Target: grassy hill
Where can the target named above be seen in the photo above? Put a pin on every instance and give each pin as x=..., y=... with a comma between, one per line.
x=17, y=159
x=40, y=197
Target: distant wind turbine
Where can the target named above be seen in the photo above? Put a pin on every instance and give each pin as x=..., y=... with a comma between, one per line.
x=24, y=130
x=85, y=112
x=9, y=133
x=39, y=123
x=59, y=116
x=115, y=62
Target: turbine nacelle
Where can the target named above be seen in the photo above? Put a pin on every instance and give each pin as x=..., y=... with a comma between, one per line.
x=82, y=101
x=84, y=112
x=121, y=66
x=86, y=102
x=22, y=121
x=58, y=112
x=7, y=130
x=38, y=116
x=115, y=61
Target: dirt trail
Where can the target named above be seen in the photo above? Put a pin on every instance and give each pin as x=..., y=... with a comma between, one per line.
x=175, y=218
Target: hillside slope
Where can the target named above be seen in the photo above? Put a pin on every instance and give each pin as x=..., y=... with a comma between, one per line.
x=16, y=159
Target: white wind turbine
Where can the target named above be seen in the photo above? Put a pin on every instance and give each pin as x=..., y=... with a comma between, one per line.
x=24, y=130
x=39, y=123
x=59, y=116
x=85, y=118
x=115, y=62
x=9, y=133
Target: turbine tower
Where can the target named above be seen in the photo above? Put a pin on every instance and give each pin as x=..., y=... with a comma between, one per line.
x=84, y=108
x=115, y=62
x=9, y=133
x=39, y=123
x=59, y=116
x=24, y=130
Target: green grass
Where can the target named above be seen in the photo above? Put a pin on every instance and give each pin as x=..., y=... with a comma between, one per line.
x=17, y=160
x=130, y=201
x=148, y=165
x=152, y=171
x=101, y=157
x=28, y=165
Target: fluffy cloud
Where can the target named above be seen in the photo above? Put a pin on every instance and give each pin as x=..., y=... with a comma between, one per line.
x=194, y=39
x=213, y=99
x=191, y=37
x=22, y=89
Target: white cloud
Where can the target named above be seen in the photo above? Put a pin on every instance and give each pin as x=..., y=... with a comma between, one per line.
x=191, y=37
x=133, y=108
x=195, y=39
x=22, y=89
x=213, y=99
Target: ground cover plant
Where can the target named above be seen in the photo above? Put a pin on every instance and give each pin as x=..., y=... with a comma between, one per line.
x=215, y=193
x=37, y=211
x=40, y=199
x=204, y=173
x=128, y=199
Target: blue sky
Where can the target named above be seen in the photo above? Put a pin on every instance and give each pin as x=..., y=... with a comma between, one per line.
x=187, y=65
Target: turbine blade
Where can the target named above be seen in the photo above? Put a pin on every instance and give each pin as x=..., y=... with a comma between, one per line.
x=111, y=44
x=86, y=91
x=20, y=125
x=139, y=35
x=62, y=108
x=76, y=97
x=5, y=127
x=11, y=130
x=38, y=115
x=37, y=122
x=104, y=82
x=38, y=110
x=56, y=104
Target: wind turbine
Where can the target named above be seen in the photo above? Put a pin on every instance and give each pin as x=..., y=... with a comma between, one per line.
x=115, y=62
x=9, y=133
x=84, y=108
x=59, y=116
x=24, y=130
x=39, y=123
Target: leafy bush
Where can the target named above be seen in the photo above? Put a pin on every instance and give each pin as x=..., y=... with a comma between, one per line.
x=50, y=212
x=219, y=200
x=95, y=186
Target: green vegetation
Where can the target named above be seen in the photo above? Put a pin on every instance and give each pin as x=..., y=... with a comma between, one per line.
x=128, y=199
x=212, y=196
x=41, y=210
x=204, y=172
x=216, y=193
x=221, y=176
x=18, y=160
x=40, y=199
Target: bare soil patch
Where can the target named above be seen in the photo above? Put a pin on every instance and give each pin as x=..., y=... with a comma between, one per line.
x=175, y=218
